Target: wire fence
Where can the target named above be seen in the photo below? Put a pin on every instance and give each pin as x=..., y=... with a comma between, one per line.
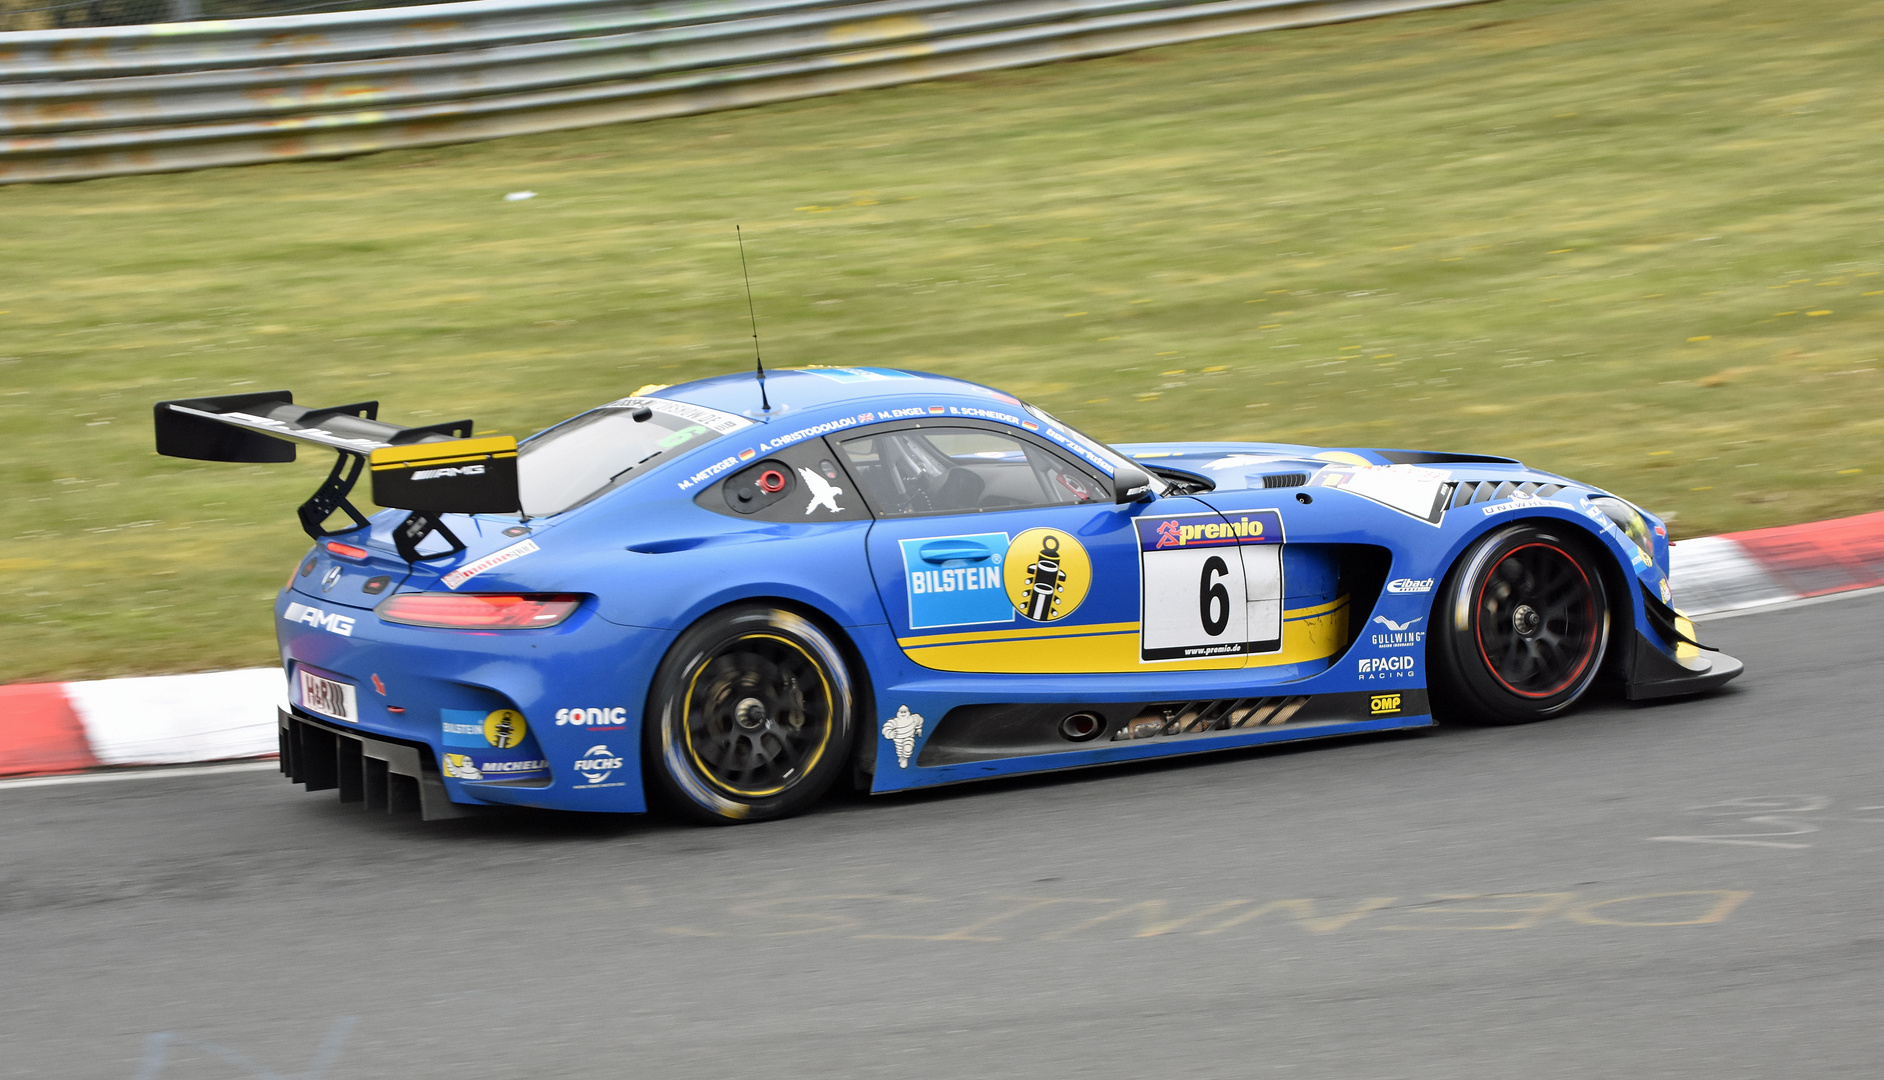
x=109, y=100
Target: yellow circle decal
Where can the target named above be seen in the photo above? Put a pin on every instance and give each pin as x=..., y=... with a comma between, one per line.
x=505, y=729
x=1047, y=574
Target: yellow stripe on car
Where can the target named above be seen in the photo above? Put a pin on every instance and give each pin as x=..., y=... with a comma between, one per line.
x=442, y=453
x=1313, y=633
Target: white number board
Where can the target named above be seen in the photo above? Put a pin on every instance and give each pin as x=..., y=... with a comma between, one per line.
x=1212, y=585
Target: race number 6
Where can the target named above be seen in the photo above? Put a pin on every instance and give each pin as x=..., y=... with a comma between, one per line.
x=1213, y=600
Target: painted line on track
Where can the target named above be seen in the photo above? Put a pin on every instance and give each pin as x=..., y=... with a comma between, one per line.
x=140, y=774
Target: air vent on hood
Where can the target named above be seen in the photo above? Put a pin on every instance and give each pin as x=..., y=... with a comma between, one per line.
x=1285, y=480
x=1467, y=492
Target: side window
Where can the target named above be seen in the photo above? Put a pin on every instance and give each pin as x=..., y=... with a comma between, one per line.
x=801, y=484
x=957, y=470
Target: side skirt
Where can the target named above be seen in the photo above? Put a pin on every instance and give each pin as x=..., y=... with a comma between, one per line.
x=976, y=742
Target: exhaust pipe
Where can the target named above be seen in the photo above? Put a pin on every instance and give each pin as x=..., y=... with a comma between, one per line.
x=1082, y=727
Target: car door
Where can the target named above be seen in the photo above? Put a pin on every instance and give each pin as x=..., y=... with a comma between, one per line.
x=994, y=553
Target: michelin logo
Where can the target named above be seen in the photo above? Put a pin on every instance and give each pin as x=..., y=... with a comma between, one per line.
x=903, y=730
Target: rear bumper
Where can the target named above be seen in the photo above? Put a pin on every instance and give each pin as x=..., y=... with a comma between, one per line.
x=1654, y=674
x=396, y=777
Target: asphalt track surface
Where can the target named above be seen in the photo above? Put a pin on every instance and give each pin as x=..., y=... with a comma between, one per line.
x=1460, y=904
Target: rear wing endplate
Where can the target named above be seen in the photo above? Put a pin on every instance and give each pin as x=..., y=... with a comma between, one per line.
x=430, y=470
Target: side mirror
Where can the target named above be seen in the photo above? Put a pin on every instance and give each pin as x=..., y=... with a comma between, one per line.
x=1130, y=484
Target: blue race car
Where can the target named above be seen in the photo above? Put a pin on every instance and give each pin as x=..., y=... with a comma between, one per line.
x=726, y=596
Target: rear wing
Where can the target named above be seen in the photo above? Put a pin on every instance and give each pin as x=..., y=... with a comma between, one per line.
x=430, y=470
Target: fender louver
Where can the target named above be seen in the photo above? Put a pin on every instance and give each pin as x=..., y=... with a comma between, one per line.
x=1467, y=492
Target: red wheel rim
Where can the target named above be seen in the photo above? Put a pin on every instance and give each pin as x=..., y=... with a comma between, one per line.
x=1535, y=620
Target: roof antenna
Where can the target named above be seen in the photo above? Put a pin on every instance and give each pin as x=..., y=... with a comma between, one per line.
x=758, y=362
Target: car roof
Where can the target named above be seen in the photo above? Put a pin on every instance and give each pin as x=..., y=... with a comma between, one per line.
x=815, y=389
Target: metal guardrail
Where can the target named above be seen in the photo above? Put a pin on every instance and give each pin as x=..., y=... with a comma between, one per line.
x=113, y=100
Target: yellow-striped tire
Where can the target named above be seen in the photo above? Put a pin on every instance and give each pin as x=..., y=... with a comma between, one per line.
x=750, y=717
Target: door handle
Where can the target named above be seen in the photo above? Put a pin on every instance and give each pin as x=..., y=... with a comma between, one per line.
x=941, y=551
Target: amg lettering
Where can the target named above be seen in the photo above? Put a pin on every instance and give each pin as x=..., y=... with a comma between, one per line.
x=462, y=470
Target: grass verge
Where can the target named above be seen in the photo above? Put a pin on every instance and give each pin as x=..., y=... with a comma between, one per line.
x=1632, y=243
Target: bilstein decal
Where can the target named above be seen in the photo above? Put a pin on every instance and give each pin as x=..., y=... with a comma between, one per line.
x=1047, y=575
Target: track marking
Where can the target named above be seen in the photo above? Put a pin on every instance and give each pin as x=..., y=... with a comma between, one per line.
x=1787, y=605
x=139, y=774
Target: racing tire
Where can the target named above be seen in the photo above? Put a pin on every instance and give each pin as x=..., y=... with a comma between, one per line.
x=751, y=716
x=1520, y=629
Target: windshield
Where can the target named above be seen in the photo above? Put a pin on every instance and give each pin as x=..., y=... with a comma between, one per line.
x=581, y=458
x=1091, y=450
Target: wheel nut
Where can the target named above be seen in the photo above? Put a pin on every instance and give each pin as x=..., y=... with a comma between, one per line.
x=1524, y=620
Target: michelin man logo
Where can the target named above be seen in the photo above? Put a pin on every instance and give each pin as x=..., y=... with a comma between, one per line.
x=903, y=729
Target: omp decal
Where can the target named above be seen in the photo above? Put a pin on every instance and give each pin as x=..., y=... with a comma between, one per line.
x=1047, y=575
x=505, y=728
x=823, y=492
x=964, y=587
x=596, y=765
x=1314, y=633
x=1521, y=504
x=332, y=622
x=473, y=569
x=903, y=730
x=1383, y=704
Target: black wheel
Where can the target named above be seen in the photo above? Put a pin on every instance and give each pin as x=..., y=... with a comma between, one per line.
x=750, y=717
x=1520, y=629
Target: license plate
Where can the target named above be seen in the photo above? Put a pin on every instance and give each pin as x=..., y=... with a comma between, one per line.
x=327, y=697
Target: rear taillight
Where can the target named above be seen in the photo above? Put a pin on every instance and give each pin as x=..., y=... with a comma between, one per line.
x=346, y=551
x=479, y=611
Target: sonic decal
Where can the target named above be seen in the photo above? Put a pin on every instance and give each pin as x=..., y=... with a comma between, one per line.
x=1047, y=574
x=903, y=730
